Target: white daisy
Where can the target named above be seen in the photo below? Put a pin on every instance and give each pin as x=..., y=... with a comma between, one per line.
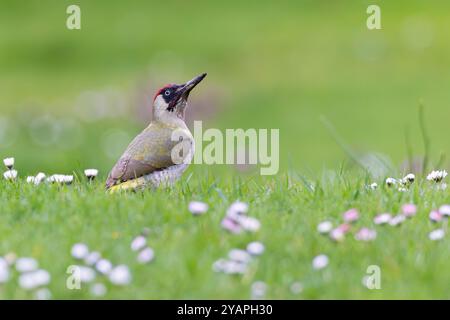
x=104, y=266
x=91, y=173
x=39, y=178
x=436, y=175
x=409, y=178
x=34, y=279
x=31, y=179
x=320, y=262
x=219, y=265
x=10, y=175
x=249, y=223
x=86, y=274
x=239, y=255
x=54, y=178
x=92, y=258
x=445, y=210
x=68, y=179
x=138, y=243
x=26, y=265
x=60, y=178
x=234, y=267
x=41, y=277
x=198, y=207
x=236, y=209
x=255, y=248
x=4, y=271
x=324, y=227
x=373, y=186
x=26, y=281
x=80, y=251
x=146, y=255
x=397, y=220
x=98, y=290
x=120, y=275
x=391, y=182
x=9, y=163
x=229, y=266
x=437, y=234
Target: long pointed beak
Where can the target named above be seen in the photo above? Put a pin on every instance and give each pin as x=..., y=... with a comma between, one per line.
x=188, y=86
x=185, y=89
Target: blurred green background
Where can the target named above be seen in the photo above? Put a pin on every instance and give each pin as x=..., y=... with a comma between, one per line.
x=72, y=99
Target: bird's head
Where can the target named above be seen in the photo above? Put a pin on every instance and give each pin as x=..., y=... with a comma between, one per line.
x=170, y=101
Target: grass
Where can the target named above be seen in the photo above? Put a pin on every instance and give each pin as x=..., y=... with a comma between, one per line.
x=45, y=221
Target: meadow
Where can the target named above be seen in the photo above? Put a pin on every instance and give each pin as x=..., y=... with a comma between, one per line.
x=346, y=101
x=45, y=221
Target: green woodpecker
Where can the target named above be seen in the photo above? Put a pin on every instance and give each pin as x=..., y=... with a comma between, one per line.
x=162, y=152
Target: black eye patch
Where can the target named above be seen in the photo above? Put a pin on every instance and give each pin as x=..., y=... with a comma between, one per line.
x=169, y=93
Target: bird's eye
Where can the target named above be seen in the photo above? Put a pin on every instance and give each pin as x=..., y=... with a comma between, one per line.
x=167, y=93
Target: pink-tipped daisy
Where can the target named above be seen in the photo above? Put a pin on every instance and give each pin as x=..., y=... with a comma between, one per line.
x=366, y=234
x=337, y=235
x=409, y=210
x=382, y=218
x=351, y=215
x=231, y=225
x=435, y=216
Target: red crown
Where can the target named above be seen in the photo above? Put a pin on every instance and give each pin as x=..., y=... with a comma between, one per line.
x=161, y=90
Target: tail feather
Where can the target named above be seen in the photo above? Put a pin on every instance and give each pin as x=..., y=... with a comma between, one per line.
x=110, y=182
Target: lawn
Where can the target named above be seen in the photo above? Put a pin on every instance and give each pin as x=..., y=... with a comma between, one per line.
x=45, y=221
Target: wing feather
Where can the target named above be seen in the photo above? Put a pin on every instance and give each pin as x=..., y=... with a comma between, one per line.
x=150, y=151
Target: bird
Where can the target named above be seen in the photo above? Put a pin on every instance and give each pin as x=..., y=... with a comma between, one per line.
x=164, y=149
